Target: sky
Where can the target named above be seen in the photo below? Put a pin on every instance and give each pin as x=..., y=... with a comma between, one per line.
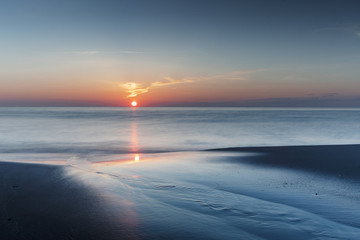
x=180, y=53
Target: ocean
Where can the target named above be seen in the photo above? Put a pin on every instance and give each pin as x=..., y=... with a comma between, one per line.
x=187, y=173
x=144, y=130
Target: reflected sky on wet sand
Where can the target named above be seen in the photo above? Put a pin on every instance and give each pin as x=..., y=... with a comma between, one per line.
x=196, y=194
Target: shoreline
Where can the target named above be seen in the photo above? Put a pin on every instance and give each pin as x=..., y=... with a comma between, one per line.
x=39, y=202
x=339, y=160
x=187, y=195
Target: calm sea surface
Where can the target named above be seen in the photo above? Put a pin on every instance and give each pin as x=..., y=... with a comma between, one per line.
x=147, y=130
x=151, y=180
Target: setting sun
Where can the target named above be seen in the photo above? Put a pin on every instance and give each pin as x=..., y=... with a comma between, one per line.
x=134, y=103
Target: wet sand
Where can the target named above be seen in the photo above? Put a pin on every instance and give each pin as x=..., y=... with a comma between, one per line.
x=39, y=202
x=309, y=192
x=336, y=160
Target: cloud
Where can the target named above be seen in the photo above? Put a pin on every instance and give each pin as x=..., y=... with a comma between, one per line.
x=135, y=89
x=248, y=71
x=86, y=52
x=170, y=81
x=234, y=75
x=355, y=29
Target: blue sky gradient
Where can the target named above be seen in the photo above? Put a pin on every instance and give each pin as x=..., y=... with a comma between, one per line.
x=183, y=52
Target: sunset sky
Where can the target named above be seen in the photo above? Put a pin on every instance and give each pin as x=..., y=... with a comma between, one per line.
x=180, y=53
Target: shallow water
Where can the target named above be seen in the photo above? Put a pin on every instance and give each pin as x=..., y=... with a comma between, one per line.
x=196, y=195
x=149, y=168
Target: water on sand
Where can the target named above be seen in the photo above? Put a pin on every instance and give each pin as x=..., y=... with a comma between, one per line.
x=146, y=175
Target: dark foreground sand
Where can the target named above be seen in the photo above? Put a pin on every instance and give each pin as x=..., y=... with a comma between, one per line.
x=39, y=202
x=277, y=193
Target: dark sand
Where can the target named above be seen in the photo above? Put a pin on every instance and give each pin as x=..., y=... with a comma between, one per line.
x=338, y=160
x=38, y=202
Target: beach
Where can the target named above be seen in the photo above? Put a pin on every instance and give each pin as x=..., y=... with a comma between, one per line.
x=179, y=173
x=179, y=120
x=39, y=202
x=236, y=193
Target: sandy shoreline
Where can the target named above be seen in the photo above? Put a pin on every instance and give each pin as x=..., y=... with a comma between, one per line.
x=340, y=160
x=40, y=202
x=224, y=193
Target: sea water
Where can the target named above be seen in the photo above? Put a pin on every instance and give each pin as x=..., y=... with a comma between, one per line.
x=148, y=166
x=122, y=130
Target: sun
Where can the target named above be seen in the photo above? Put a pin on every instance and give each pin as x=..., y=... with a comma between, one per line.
x=134, y=103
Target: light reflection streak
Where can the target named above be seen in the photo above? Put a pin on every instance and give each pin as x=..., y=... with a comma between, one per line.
x=134, y=147
x=134, y=144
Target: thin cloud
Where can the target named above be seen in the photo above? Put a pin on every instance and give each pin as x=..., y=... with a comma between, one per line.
x=355, y=29
x=233, y=75
x=86, y=52
x=230, y=76
x=170, y=81
x=248, y=71
x=135, y=89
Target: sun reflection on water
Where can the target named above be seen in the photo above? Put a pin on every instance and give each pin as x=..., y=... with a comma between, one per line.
x=134, y=144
